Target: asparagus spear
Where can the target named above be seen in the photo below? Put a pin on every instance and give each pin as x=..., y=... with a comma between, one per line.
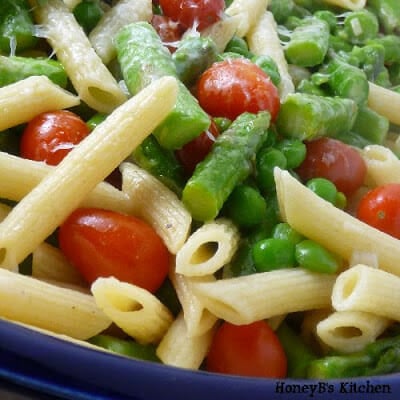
x=143, y=59
x=228, y=164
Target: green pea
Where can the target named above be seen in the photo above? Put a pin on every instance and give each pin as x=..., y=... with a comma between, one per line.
x=329, y=17
x=97, y=119
x=360, y=26
x=323, y=188
x=266, y=161
x=88, y=14
x=284, y=231
x=294, y=150
x=222, y=123
x=238, y=45
x=271, y=254
x=268, y=65
x=245, y=206
x=314, y=257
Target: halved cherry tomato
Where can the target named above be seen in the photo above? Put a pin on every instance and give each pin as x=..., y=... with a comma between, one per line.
x=168, y=30
x=230, y=87
x=247, y=350
x=197, y=149
x=380, y=208
x=193, y=13
x=334, y=160
x=102, y=243
x=50, y=136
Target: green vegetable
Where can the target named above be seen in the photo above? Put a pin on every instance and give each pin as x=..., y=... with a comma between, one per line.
x=309, y=43
x=388, y=12
x=88, y=13
x=294, y=151
x=160, y=162
x=14, y=68
x=306, y=116
x=193, y=56
x=144, y=59
x=284, y=231
x=311, y=255
x=17, y=30
x=266, y=160
x=378, y=358
x=124, y=347
x=323, y=188
x=360, y=26
x=272, y=253
x=238, y=45
x=228, y=164
x=268, y=65
x=391, y=45
x=95, y=120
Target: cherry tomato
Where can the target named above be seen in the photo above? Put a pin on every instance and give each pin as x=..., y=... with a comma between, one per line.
x=197, y=149
x=197, y=13
x=102, y=243
x=168, y=30
x=230, y=87
x=247, y=350
x=50, y=136
x=334, y=160
x=380, y=208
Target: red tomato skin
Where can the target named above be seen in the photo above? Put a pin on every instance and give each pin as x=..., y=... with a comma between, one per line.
x=197, y=149
x=234, y=86
x=102, y=243
x=169, y=31
x=50, y=136
x=193, y=13
x=247, y=350
x=334, y=160
x=380, y=208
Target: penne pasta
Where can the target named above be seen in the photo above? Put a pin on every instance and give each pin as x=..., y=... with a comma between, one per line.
x=43, y=305
x=348, y=4
x=246, y=13
x=208, y=249
x=263, y=39
x=123, y=13
x=362, y=288
x=350, y=331
x=156, y=204
x=45, y=207
x=221, y=32
x=135, y=310
x=179, y=349
x=23, y=100
x=304, y=211
x=385, y=102
x=91, y=79
x=249, y=298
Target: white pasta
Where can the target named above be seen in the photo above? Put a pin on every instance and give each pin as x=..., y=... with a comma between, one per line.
x=208, y=249
x=221, y=32
x=135, y=310
x=348, y=4
x=385, y=102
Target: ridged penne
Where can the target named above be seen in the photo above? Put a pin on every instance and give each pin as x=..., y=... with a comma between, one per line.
x=135, y=310
x=348, y=4
x=208, y=249
x=23, y=100
x=91, y=79
x=122, y=13
x=46, y=206
x=385, y=102
x=351, y=331
x=179, y=349
x=304, y=211
x=249, y=298
x=60, y=310
x=156, y=204
x=221, y=32
x=263, y=39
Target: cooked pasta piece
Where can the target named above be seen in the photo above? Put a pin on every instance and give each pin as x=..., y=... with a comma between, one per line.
x=91, y=79
x=156, y=204
x=46, y=206
x=208, y=249
x=179, y=349
x=23, y=100
x=71, y=4
x=308, y=329
x=135, y=310
x=197, y=318
x=348, y=4
x=221, y=32
x=362, y=288
x=249, y=298
x=303, y=210
x=263, y=39
x=19, y=176
x=247, y=13
x=385, y=102
x=383, y=166
x=49, y=263
x=122, y=13
x=60, y=310
x=351, y=331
